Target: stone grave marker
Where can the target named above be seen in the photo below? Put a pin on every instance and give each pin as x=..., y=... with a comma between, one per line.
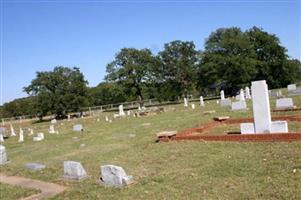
x=40, y=137
x=193, y=106
x=74, y=170
x=3, y=156
x=291, y=87
x=35, y=166
x=261, y=112
x=21, y=135
x=202, y=101
x=224, y=102
x=185, y=102
x=53, y=121
x=12, y=131
x=78, y=128
x=247, y=91
x=121, y=111
x=51, y=130
x=114, y=176
x=284, y=103
x=1, y=137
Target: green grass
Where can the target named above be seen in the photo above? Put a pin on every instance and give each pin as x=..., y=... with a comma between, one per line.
x=175, y=170
x=8, y=192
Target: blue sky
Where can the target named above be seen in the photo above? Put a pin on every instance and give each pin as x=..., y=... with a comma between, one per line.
x=38, y=35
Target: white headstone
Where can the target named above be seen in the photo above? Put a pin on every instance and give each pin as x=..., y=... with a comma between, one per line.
x=291, y=87
x=53, y=121
x=30, y=131
x=202, y=101
x=74, y=170
x=1, y=137
x=239, y=105
x=3, y=156
x=128, y=112
x=40, y=137
x=69, y=118
x=51, y=129
x=185, y=102
x=107, y=118
x=284, y=103
x=193, y=106
x=78, y=128
x=261, y=112
x=242, y=95
x=222, y=94
x=121, y=112
x=114, y=176
x=21, y=135
x=225, y=103
x=12, y=131
x=248, y=94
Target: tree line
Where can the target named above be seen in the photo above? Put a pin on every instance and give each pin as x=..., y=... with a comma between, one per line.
x=231, y=59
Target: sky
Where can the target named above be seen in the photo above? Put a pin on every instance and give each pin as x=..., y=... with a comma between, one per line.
x=39, y=35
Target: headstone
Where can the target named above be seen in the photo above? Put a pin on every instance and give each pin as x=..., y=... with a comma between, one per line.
x=284, y=103
x=51, y=130
x=239, y=105
x=193, y=106
x=35, y=166
x=12, y=131
x=30, y=131
x=291, y=87
x=185, y=102
x=274, y=93
x=248, y=94
x=128, y=112
x=74, y=170
x=2, y=130
x=53, y=121
x=114, y=176
x=78, y=128
x=107, y=118
x=225, y=102
x=21, y=135
x=69, y=118
x=242, y=95
x=98, y=120
x=40, y=137
x=1, y=137
x=222, y=94
x=202, y=101
x=3, y=156
x=121, y=112
x=261, y=113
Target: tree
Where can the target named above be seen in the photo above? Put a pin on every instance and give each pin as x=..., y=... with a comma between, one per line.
x=131, y=70
x=228, y=58
x=177, y=71
x=59, y=91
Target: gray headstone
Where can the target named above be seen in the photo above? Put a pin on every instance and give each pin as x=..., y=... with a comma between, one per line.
x=114, y=176
x=78, y=128
x=3, y=157
x=2, y=130
x=35, y=166
x=74, y=170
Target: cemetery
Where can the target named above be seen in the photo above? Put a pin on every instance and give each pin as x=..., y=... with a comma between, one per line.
x=92, y=164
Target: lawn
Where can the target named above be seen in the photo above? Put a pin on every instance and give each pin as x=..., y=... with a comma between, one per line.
x=174, y=170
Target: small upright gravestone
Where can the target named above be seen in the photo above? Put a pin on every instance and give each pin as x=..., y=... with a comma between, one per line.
x=78, y=128
x=202, y=101
x=21, y=135
x=224, y=102
x=121, y=111
x=12, y=131
x=185, y=102
x=1, y=137
x=193, y=106
x=114, y=176
x=3, y=156
x=248, y=94
x=40, y=137
x=51, y=130
x=74, y=170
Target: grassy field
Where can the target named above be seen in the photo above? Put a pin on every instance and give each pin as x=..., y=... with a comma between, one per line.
x=175, y=170
x=8, y=192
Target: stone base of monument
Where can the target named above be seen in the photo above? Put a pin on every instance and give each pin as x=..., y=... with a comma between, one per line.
x=276, y=127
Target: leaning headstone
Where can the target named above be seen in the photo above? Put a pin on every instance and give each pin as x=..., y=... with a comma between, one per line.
x=12, y=131
x=202, y=101
x=185, y=102
x=35, y=166
x=53, y=121
x=3, y=156
x=40, y=137
x=74, y=170
x=261, y=111
x=121, y=111
x=21, y=135
x=78, y=128
x=284, y=103
x=291, y=87
x=114, y=176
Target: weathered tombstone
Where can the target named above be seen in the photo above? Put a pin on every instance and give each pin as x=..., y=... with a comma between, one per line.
x=78, y=128
x=291, y=87
x=193, y=106
x=40, y=137
x=185, y=102
x=224, y=102
x=51, y=130
x=12, y=131
x=21, y=135
x=128, y=112
x=261, y=113
x=3, y=156
x=239, y=105
x=247, y=91
x=69, y=118
x=121, y=111
x=35, y=166
x=53, y=121
x=114, y=176
x=74, y=170
x=242, y=95
x=284, y=103
x=222, y=93
x=202, y=101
